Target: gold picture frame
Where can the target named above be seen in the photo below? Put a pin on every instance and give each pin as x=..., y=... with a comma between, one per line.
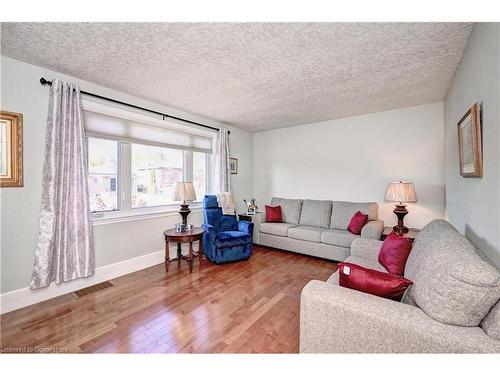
x=470, y=143
x=11, y=149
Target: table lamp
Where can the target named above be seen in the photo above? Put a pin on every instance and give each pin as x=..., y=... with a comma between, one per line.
x=184, y=192
x=400, y=192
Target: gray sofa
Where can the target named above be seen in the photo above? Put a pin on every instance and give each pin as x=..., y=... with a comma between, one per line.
x=452, y=307
x=317, y=228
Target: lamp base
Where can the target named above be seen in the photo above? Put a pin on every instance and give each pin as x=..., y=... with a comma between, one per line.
x=184, y=211
x=400, y=212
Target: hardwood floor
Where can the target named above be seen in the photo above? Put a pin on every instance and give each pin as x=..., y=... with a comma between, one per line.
x=244, y=307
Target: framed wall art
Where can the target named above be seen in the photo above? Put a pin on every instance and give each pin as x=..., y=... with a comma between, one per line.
x=11, y=149
x=233, y=165
x=469, y=143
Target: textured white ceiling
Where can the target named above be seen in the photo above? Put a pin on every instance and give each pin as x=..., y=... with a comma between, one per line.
x=253, y=75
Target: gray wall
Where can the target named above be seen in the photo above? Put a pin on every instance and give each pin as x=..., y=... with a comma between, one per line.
x=355, y=158
x=473, y=204
x=22, y=92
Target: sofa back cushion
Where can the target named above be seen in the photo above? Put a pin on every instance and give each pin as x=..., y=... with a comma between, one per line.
x=316, y=213
x=452, y=282
x=290, y=209
x=342, y=213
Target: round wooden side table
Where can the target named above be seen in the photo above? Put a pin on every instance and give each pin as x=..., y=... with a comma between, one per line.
x=190, y=236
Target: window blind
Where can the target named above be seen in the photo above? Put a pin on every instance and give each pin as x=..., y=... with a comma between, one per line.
x=113, y=123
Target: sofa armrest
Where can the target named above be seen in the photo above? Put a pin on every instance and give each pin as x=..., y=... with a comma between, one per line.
x=365, y=248
x=334, y=319
x=245, y=226
x=373, y=229
x=259, y=217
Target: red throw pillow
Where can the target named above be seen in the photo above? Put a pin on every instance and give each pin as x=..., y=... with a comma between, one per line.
x=373, y=282
x=394, y=253
x=358, y=221
x=273, y=214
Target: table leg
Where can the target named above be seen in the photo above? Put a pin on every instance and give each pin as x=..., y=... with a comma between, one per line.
x=190, y=260
x=167, y=255
x=179, y=254
x=200, y=249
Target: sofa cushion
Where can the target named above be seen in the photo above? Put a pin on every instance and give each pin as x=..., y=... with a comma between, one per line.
x=316, y=213
x=374, y=282
x=357, y=222
x=232, y=238
x=334, y=278
x=394, y=253
x=342, y=212
x=452, y=283
x=491, y=323
x=305, y=233
x=278, y=229
x=273, y=214
x=290, y=209
x=368, y=263
x=338, y=237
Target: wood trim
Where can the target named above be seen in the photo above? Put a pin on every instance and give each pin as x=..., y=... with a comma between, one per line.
x=475, y=112
x=16, y=150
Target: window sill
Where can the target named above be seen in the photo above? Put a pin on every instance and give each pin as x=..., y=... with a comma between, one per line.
x=97, y=221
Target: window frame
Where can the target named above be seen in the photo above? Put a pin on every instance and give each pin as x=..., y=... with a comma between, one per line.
x=124, y=186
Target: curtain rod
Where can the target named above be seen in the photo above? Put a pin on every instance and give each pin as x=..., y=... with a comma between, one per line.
x=43, y=81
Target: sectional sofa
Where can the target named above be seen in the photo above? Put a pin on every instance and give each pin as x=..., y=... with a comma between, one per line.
x=317, y=228
x=452, y=307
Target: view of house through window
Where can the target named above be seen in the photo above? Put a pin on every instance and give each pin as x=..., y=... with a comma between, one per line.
x=200, y=174
x=103, y=174
x=155, y=170
x=149, y=175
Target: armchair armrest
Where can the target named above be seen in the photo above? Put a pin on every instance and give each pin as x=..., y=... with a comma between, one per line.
x=365, y=248
x=208, y=227
x=209, y=240
x=334, y=319
x=373, y=229
x=245, y=226
x=209, y=233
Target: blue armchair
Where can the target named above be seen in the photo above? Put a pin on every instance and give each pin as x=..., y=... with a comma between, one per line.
x=225, y=239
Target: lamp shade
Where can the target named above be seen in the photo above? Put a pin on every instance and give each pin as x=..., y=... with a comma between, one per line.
x=401, y=192
x=184, y=191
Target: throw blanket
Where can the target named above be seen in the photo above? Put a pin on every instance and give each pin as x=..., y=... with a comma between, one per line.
x=227, y=203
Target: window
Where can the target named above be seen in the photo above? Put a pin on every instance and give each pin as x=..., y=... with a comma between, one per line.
x=103, y=174
x=200, y=174
x=155, y=170
x=129, y=178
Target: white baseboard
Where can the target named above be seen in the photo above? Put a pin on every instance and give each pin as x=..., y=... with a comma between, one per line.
x=25, y=296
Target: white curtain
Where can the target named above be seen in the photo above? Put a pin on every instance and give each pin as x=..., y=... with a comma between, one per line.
x=221, y=177
x=65, y=250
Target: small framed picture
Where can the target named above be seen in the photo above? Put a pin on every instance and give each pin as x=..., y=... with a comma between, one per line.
x=469, y=143
x=11, y=149
x=233, y=165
